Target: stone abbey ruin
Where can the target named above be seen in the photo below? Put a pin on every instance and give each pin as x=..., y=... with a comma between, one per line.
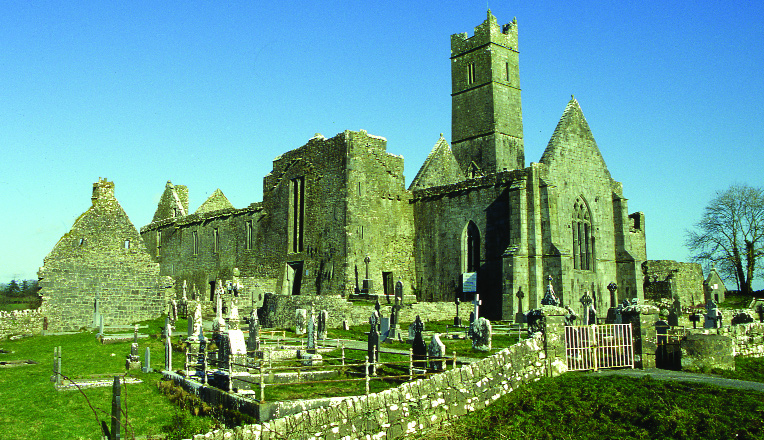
x=336, y=220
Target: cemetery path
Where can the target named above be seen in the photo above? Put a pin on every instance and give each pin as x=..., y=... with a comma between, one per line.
x=682, y=376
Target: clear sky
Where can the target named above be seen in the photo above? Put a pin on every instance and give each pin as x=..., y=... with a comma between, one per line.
x=207, y=94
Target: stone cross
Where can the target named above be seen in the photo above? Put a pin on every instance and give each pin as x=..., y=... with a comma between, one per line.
x=395, y=317
x=520, y=295
x=174, y=310
x=373, y=340
x=476, y=303
x=612, y=287
x=366, y=261
x=586, y=301
x=197, y=321
x=168, y=348
x=323, y=318
x=233, y=316
x=185, y=297
x=675, y=312
x=712, y=314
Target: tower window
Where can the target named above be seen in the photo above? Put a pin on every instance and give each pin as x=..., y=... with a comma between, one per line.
x=471, y=73
x=506, y=72
x=215, y=241
x=249, y=235
x=297, y=213
x=159, y=243
x=195, y=237
x=471, y=248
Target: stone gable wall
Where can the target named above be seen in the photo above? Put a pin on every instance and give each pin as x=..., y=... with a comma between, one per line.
x=674, y=279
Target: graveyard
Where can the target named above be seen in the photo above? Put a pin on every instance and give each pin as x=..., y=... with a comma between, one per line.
x=186, y=373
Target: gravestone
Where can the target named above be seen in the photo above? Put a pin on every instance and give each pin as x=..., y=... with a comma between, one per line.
x=238, y=350
x=418, y=346
x=457, y=319
x=174, y=311
x=586, y=302
x=233, y=316
x=760, y=312
x=436, y=350
x=300, y=321
x=694, y=318
x=368, y=285
x=168, y=348
x=323, y=318
x=384, y=329
x=550, y=299
x=196, y=329
x=476, y=304
x=133, y=360
x=373, y=340
x=345, y=325
x=253, y=342
x=612, y=287
x=712, y=315
x=147, y=362
x=396, y=311
x=100, y=326
x=520, y=316
x=481, y=334
x=218, y=324
x=675, y=313
x=378, y=309
x=412, y=331
x=311, y=331
x=116, y=410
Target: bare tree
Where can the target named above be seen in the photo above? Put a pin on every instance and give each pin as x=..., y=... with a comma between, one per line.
x=730, y=234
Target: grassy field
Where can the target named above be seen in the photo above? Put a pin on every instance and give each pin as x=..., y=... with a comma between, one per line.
x=578, y=406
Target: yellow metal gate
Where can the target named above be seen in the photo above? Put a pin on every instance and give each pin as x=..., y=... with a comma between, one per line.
x=591, y=347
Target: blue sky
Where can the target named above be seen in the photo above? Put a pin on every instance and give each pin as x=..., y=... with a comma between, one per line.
x=206, y=94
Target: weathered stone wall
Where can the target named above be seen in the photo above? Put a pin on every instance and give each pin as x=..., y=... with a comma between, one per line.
x=747, y=339
x=103, y=257
x=20, y=322
x=278, y=311
x=667, y=277
x=414, y=405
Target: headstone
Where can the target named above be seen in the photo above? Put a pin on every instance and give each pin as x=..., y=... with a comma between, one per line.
x=712, y=315
x=345, y=325
x=218, y=324
x=311, y=330
x=323, y=318
x=373, y=340
x=612, y=287
x=520, y=316
x=481, y=334
x=412, y=330
x=367, y=282
x=378, y=309
x=174, y=311
x=457, y=319
x=436, y=350
x=168, y=349
x=253, y=342
x=384, y=329
x=418, y=346
x=116, y=410
x=396, y=311
x=550, y=299
x=197, y=326
x=238, y=350
x=300, y=321
x=147, y=362
x=675, y=313
x=100, y=325
x=476, y=304
x=133, y=360
x=694, y=318
x=233, y=316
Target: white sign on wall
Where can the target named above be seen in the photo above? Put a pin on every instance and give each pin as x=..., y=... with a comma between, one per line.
x=469, y=282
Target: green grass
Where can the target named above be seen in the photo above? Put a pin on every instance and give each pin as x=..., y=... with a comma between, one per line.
x=33, y=409
x=746, y=368
x=576, y=406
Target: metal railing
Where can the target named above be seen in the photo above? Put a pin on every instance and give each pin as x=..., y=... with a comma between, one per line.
x=594, y=347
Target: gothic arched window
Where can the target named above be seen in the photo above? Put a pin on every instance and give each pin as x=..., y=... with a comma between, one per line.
x=471, y=248
x=583, y=238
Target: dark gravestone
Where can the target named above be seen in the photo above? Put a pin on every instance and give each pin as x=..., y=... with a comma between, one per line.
x=760, y=312
x=116, y=409
x=418, y=346
x=373, y=340
x=457, y=319
x=550, y=299
x=694, y=318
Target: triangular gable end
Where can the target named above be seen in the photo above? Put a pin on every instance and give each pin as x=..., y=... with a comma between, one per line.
x=215, y=202
x=173, y=203
x=573, y=141
x=439, y=169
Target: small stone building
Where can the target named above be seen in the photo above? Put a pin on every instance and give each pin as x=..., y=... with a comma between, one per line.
x=714, y=286
x=101, y=267
x=672, y=279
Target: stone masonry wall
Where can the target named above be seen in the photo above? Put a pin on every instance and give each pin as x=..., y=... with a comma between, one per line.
x=747, y=339
x=412, y=406
x=683, y=280
x=20, y=322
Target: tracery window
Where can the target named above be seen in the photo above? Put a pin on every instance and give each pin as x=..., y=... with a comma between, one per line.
x=583, y=237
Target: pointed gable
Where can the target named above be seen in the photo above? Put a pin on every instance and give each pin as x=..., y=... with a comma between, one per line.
x=173, y=203
x=215, y=202
x=573, y=142
x=439, y=169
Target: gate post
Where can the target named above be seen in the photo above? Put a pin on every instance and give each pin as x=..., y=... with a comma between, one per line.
x=643, y=318
x=554, y=340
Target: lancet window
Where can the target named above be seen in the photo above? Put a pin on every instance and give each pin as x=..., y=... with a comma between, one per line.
x=583, y=237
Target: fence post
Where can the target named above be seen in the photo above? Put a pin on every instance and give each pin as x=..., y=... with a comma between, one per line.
x=366, y=371
x=454, y=360
x=411, y=364
x=185, y=362
x=374, y=361
x=204, y=368
x=343, y=354
x=262, y=383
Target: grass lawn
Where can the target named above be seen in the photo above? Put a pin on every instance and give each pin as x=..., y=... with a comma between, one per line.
x=577, y=406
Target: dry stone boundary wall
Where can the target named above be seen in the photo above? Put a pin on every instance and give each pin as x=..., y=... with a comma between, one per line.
x=411, y=407
x=20, y=322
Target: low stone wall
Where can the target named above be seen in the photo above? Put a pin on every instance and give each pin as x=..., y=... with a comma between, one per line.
x=747, y=339
x=414, y=405
x=278, y=311
x=20, y=322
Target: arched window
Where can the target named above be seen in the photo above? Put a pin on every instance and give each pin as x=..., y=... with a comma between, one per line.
x=470, y=248
x=583, y=237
